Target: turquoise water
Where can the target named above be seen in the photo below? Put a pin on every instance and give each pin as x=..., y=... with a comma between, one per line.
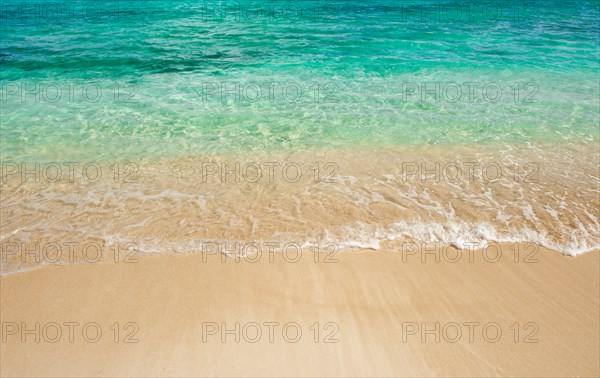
x=113, y=80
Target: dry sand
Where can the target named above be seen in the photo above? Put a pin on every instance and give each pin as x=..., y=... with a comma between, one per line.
x=369, y=303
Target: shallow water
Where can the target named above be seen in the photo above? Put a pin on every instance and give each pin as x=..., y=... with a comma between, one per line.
x=164, y=78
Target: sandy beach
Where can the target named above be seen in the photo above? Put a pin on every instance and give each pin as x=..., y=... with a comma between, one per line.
x=299, y=188
x=367, y=313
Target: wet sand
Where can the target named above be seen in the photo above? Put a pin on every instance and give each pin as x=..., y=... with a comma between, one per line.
x=370, y=306
x=355, y=199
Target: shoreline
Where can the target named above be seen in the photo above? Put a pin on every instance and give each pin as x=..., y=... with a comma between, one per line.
x=422, y=149
x=256, y=251
x=358, y=199
x=370, y=302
